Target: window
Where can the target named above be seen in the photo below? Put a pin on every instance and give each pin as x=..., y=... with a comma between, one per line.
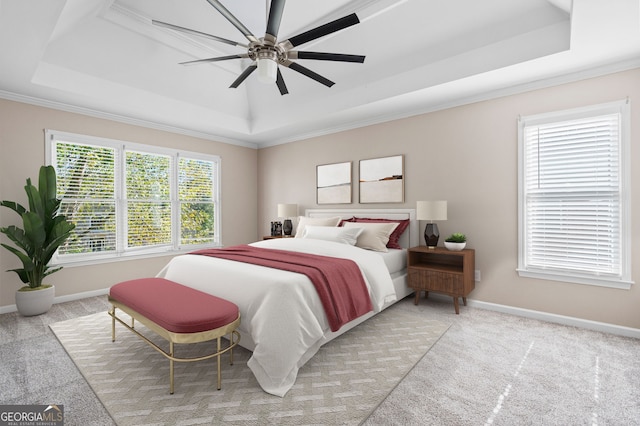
x=573, y=196
x=130, y=199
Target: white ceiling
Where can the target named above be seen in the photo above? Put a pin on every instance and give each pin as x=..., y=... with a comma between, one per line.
x=105, y=58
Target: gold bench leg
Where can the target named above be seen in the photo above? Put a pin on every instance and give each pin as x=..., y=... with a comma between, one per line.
x=234, y=338
x=219, y=369
x=113, y=323
x=171, y=368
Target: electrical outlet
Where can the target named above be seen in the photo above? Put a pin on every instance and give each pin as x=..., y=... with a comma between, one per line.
x=477, y=277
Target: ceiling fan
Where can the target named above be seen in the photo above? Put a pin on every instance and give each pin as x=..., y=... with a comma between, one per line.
x=267, y=52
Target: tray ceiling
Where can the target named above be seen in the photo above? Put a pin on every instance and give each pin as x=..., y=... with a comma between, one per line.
x=105, y=57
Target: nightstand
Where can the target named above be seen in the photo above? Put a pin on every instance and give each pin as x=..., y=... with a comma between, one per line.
x=443, y=271
x=271, y=237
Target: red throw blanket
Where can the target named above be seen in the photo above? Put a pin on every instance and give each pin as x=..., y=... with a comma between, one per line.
x=339, y=282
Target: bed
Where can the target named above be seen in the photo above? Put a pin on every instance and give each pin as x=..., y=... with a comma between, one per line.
x=283, y=321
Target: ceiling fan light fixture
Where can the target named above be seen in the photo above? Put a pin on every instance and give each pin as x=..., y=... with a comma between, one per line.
x=267, y=70
x=267, y=54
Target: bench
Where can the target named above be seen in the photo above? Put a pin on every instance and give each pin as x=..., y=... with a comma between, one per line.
x=179, y=314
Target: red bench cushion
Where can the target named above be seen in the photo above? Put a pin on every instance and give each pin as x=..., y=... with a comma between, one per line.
x=173, y=306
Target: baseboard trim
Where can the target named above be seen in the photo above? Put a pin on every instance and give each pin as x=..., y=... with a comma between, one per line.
x=604, y=327
x=619, y=330
x=62, y=299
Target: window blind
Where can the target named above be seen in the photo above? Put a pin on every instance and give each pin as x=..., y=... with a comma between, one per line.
x=86, y=185
x=197, y=201
x=148, y=199
x=572, y=195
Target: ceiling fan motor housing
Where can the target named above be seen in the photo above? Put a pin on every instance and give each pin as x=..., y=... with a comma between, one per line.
x=267, y=51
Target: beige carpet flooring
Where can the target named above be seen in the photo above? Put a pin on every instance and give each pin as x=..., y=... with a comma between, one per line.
x=342, y=384
x=487, y=369
x=503, y=370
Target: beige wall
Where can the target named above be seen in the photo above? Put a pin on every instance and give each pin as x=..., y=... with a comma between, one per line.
x=22, y=152
x=468, y=156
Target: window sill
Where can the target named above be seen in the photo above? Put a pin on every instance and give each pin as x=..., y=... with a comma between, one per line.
x=576, y=279
x=88, y=260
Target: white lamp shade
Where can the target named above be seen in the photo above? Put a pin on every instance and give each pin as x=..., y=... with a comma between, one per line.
x=267, y=70
x=287, y=210
x=431, y=210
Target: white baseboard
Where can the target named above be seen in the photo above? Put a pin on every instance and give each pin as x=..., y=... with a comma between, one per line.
x=604, y=327
x=521, y=312
x=62, y=299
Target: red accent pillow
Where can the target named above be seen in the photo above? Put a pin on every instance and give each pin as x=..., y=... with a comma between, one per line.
x=351, y=219
x=395, y=235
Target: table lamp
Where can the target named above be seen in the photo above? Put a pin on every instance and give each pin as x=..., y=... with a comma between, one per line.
x=431, y=210
x=287, y=211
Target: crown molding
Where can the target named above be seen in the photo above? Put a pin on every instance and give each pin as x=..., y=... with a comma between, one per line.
x=122, y=119
x=399, y=113
x=368, y=120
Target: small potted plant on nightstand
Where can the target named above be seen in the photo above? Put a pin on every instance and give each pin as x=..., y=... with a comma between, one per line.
x=456, y=241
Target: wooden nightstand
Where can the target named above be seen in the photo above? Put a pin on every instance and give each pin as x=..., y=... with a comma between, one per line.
x=271, y=237
x=442, y=271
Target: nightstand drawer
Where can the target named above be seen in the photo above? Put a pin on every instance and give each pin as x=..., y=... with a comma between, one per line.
x=446, y=282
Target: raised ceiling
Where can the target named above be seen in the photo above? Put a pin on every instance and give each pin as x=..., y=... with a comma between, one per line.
x=104, y=57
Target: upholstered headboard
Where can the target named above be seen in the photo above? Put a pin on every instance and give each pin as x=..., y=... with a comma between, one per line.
x=409, y=238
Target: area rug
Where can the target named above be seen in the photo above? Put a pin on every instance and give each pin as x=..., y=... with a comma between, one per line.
x=342, y=384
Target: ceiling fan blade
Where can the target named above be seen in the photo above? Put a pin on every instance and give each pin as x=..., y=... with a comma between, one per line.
x=322, y=56
x=323, y=30
x=198, y=33
x=275, y=17
x=251, y=68
x=306, y=71
x=236, y=23
x=280, y=82
x=218, y=59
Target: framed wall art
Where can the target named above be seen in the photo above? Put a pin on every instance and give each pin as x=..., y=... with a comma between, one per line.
x=333, y=183
x=382, y=180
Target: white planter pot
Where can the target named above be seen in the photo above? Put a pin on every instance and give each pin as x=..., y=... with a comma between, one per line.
x=35, y=302
x=454, y=246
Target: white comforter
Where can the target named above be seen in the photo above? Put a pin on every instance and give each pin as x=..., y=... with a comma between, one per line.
x=281, y=311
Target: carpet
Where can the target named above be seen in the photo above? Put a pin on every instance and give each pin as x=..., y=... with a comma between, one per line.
x=342, y=384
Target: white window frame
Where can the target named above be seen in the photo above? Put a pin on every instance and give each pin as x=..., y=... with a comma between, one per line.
x=623, y=280
x=121, y=252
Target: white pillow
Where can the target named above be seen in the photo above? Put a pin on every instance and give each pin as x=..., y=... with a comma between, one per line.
x=328, y=233
x=374, y=236
x=319, y=221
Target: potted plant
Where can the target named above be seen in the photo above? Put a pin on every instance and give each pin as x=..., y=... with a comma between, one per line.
x=44, y=231
x=456, y=241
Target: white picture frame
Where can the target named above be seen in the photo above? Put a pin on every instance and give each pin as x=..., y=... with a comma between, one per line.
x=333, y=183
x=382, y=180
